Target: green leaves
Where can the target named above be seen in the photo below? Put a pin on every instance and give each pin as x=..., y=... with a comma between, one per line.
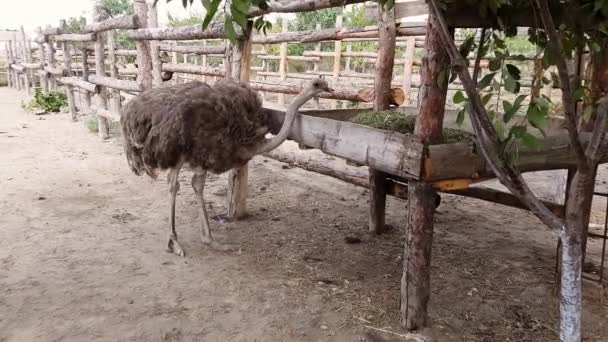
x=459, y=97
x=486, y=80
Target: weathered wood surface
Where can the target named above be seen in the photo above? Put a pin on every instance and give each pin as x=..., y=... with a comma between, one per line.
x=390, y=152
x=193, y=69
x=337, y=94
x=144, y=59
x=17, y=67
x=106, y=114
x=294, y=6
x=56, y=71
x=115, y=83
x=201, y=50
x=75, y=37
x=382, y=101
x=466, y=15
x=101, y=99
x=415, y=281
x=122, y=52
x=214, y=31
x=331, y=34
x=80, y=83
x=31, y=65
x=125, y=22
x=460, y=161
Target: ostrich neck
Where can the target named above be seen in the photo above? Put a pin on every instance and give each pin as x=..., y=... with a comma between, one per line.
x=290, y=115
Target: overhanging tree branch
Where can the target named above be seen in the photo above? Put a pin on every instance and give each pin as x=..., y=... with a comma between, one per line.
x=486, y=133
x=568, y=102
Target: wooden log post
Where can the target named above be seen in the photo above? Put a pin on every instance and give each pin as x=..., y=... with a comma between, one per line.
x=50, y=55
x=144, y=60
x=85, y=96
x=283, y=60
x=114, y=98
x=67, y=64
x=415, y=281
x=157, y=79
x=382, y=91
x=408, y=66
x=11, y=59
x=101, y=99
x=44, y=81
x=315, y=67
x=24, y=58
x=349, y=49
x=204, y=60
x=237, y=178
x=337, y=60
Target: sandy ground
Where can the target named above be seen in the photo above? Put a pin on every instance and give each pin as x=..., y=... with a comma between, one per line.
x=82, y=254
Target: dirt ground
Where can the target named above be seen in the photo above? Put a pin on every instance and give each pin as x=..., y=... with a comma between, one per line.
x=82, y=254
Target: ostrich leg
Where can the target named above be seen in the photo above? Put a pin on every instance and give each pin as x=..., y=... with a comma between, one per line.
x=198, y=184
x=173, y=246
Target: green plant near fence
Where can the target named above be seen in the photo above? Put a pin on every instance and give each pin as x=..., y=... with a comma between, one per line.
x=48, y=102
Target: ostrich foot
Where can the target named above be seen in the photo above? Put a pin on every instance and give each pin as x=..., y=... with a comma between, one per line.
x=219, y=246
x=174, y=247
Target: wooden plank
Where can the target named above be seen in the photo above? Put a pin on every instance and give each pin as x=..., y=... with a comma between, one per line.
x=283, y=60
x=390, y=152
x=101, y=99
x=77, y=82
x=202, y=50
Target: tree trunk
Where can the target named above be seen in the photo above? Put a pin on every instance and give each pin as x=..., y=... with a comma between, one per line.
x=415, y=283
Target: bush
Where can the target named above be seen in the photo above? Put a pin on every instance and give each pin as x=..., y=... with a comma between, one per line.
x=48, y=102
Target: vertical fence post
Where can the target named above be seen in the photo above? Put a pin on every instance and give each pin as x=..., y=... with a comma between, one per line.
x=144, y=60
x=237, y=186
x=337, y=60
x=24, y=58
x=101, y=98
x=157, y=79
x=204, y=60
x=44, y=82
x=114, y=98
x=10, y=61
x=67, y=64
x=283, y=60
x=387, y=34
x=408, y=66
x=349, y=49
x=415, y=281
x=50, y=55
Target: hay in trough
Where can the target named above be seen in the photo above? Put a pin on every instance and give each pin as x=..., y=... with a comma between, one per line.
x=403, y=123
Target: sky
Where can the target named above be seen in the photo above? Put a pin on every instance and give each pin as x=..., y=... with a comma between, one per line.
x=33, y=13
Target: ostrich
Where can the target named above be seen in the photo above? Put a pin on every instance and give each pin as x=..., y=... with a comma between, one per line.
x=207, y=128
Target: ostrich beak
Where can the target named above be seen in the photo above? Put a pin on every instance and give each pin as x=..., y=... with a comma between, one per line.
x=329, y=90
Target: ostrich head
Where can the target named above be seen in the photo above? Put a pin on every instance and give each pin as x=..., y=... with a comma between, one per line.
x=315, y=87
x=310, y=90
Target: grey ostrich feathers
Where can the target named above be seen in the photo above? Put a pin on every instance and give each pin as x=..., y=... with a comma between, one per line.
x=207, y=128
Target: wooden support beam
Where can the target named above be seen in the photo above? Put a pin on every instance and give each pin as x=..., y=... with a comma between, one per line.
x=157, y=79
x=237, y=178
x=382, y=101
x=337, y=60
x=114, y=104
x=415, y=281
x=86, y=96
x=285, y=88
x=126, y=22
x=25, y=57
